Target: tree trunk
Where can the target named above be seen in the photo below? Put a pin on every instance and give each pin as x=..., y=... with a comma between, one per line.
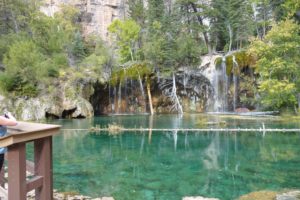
x=175, y=97
x=150, y=128
x=149, y=97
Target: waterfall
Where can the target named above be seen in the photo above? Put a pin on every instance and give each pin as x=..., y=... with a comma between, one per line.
x=235, y=81
x=224, y=81
x=215, y=83
x=220, y=84
x=113, y=109
x=184, y=81
x=142, y=91
x=109, y=96
x=158, y=75
x=119, y=96
x=126, y=94
x=186, y=78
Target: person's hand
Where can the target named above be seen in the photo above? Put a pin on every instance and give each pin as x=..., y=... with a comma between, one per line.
x=10, y=116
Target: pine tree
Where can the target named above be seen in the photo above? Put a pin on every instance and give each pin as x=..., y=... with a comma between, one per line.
x=231, y=23
x=137, y=11
x=156, y=11
x=263, y=16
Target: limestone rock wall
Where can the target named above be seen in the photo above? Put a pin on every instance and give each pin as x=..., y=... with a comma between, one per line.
x=96, y=15
x=68, y=100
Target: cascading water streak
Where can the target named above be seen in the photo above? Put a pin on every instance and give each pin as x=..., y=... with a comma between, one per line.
x=216, y=91
x=235, y=81
x=113, y=107
x=142, y=91
x=109, y=96
x=126, y=93
x=119, y=97
x=224, y=81
x=220, y=85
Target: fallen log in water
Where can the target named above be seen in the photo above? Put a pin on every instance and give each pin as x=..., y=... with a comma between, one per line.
x=122, y=129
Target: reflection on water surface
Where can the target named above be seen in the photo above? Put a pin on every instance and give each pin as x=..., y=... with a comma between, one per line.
x=170, y=165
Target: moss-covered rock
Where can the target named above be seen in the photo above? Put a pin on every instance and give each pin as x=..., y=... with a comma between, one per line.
x=259, y=195
x=218, y=62
x=243, y=60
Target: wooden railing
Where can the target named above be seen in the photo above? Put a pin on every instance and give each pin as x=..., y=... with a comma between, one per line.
x=41, y=181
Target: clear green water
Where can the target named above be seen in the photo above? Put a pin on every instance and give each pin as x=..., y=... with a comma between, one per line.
x=169, y=166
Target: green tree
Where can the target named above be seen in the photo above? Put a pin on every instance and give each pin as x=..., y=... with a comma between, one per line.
x=188, y=54
x=126, y=35
x=78, y=47
x=15, y=15
x=100, y=60
x=278, y=65
x=23, y=69
x=137, y=11
x=155, y=12
x=263, y=16
x=231, y=23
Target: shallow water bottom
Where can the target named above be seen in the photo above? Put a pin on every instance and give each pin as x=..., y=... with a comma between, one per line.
x=171, y=165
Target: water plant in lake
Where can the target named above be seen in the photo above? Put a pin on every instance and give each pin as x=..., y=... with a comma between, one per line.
x=111, y=129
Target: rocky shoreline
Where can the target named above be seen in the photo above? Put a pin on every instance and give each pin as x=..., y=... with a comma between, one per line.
x=257, y=195
x=67, y=196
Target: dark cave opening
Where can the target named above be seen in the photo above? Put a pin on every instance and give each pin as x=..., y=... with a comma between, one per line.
x=100, y=99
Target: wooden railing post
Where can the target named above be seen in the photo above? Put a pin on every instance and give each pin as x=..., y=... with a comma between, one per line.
x=43, y=167
x=17, y=171
x=41, y=181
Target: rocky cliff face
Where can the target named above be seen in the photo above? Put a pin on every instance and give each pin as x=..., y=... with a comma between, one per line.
x=68, y=99
x=96, y=15
x=194, y=91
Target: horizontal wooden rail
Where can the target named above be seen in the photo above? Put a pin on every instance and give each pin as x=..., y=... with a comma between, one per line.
x=33, y=183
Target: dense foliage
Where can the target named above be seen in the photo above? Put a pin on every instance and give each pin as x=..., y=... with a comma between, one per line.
x=156, y=36
x=279, y=65
x=35, y=49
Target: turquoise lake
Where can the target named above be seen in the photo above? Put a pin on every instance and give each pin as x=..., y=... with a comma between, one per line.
x=169, y=165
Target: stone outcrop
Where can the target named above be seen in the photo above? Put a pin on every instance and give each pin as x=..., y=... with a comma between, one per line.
x=290, y=195
x=96, y=15
x=68, y=99
x=194, y=92
x=193, y=89
x=67, y=196
x=272, y=195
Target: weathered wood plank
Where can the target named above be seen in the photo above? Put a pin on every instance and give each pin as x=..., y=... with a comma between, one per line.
x=26, y=131
x=16, y=157
x=34, y=183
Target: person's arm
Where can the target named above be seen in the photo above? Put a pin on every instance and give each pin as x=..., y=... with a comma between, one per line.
x=9, y=120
